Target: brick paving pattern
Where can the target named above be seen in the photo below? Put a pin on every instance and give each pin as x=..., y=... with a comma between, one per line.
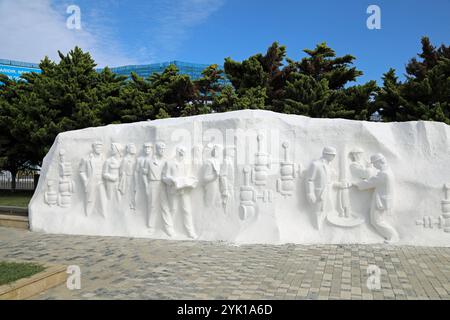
x=129, y=268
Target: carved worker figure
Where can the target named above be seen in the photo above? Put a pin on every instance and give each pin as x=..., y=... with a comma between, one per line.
x=359, y=168
x=91, y=175
x=157, y=200
x=127, y=183
x=142, y=163
x=382, y=185
x=179, y=181
x=111, y=170
x=319, y=183
x=211, y=172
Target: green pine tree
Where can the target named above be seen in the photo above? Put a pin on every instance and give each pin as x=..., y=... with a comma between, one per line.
x=389, y=101
x=259, y=71
x=425, y=94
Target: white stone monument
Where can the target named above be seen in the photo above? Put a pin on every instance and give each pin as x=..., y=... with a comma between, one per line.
x=250, y=176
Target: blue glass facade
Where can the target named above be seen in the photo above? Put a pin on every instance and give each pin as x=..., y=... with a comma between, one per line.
x=194, y=70
x=13, y=69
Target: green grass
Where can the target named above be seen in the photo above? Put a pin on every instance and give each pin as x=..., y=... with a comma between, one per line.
x=12, y=271
x=15, y=199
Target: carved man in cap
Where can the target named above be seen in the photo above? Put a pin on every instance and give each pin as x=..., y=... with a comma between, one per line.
x=91, y=175
x=320, y=180
x=142, y=163
x=383, y=197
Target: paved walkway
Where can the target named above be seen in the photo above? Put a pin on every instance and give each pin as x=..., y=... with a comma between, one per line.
x=124, y=268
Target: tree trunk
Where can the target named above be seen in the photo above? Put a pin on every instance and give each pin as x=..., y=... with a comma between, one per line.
x=13, y=180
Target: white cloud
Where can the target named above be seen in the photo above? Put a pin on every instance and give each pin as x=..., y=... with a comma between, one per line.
x=175, y=19
x=30, y=30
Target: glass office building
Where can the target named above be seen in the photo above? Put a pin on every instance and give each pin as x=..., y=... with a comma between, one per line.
x=194, y=70
x=14, y=69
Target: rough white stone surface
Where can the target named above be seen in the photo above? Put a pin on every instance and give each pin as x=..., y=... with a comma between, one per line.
x=416, y=152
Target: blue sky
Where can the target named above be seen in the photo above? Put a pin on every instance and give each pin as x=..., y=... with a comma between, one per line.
x=206, y=31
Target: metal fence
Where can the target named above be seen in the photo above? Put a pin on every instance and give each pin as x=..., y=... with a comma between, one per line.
x=24, y=180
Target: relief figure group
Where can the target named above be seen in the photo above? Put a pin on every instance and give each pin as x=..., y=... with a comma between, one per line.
x=166, y=184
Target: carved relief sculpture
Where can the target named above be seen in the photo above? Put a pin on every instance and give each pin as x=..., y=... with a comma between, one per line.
x=91, y=175
x=288, y=173
x=344, y=209
x=141, y=181
x=250, y=190
x=262, y=164
x=445, y=203
x=158, y=202
x=382, y=185
x=247, y=208
x=50, y=195
x=179, y=182
x=442, y=221
x=65, y=188
x=197, y=160
x=319, y=184
x=359, y=168
x=345, y=216
x=226, y=181
x=127, y=182
x=211, y=173
x=111, y=170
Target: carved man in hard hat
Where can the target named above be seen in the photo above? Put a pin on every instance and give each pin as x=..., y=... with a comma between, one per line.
x=319, y=184
x=382, y=199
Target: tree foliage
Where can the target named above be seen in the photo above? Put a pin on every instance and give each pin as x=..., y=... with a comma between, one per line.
x=315, y=86
x=16, y=151
x=425, y=94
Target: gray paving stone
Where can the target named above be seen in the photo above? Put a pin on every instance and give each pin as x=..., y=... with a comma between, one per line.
x=126, y=268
